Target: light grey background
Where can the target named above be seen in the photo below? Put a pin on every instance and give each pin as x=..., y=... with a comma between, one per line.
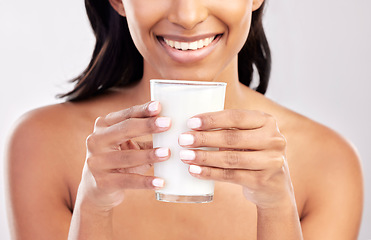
x=321, y=66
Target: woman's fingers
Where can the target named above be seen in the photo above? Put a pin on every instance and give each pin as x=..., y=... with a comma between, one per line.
x=231, y=118
x=251, y=153
x=257, y=180
x=149, y=109
x=145, y=144
x=117, y=154
x=118, y=181
x=121, y=132
x=249, y=160
x=120, y=127
x=235, y=129
x=239, y=176
x=119, y=160
x=257, y=139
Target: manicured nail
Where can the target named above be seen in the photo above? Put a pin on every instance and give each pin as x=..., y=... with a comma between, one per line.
x=195, y=169
x=153, y=106
x=194, y=123
x=163, y=122
x=158, y=182
x=162, y=152
x=186, y=139
x=187, y=155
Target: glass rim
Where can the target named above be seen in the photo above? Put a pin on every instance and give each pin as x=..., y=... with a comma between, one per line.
x=187, y=82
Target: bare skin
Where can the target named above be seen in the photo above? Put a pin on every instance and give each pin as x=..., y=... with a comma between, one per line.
x=83, y=170
x=47, y=153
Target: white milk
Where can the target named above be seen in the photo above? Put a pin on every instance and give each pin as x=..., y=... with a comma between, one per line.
x=180, y=100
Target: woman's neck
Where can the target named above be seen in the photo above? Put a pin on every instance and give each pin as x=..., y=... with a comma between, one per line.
x=236, y=92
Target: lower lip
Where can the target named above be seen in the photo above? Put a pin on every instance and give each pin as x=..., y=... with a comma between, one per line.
x=189, y=56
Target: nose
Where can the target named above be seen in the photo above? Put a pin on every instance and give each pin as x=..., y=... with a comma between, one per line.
x=187, y=13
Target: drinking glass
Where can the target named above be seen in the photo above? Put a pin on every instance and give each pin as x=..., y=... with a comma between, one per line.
x=180, y=100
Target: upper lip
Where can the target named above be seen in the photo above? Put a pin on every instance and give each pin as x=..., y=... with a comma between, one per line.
x=187, y=38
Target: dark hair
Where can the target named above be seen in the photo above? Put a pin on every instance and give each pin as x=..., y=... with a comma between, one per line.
x=116, y=62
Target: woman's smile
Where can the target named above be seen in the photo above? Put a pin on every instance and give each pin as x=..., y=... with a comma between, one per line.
x=196, y=40
x=189, y=49
x=189, y=45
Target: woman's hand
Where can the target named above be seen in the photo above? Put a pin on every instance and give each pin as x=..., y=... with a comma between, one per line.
x=115, y=161
x=251, y=153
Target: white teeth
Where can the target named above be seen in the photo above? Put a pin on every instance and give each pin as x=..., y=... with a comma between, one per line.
x=189, y=45
x=171, y=43
x=200, y=43
x=192, y=45
x=177, y=45
x=184, y=46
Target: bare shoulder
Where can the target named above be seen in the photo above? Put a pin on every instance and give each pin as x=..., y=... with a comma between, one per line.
x=44, y=116
x=46, y=131
x=49, y=139
x=322, y=142
x=324, y=147
x=326, y=169
x=40, y=155
x=45, y=157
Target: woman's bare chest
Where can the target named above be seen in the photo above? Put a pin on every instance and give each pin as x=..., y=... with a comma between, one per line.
x=229, y=216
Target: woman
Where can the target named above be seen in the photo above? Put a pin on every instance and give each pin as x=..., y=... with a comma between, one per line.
x=82, y=169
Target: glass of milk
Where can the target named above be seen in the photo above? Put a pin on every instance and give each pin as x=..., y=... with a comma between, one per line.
x=181, y=100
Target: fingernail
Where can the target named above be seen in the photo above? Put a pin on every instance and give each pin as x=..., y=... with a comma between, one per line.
x=194, y=123
x=186, y=139
x=187, y=154
x=163, y=122
x=158, y=182
x=153, y=106
x=162, y=152
x=195, y=169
